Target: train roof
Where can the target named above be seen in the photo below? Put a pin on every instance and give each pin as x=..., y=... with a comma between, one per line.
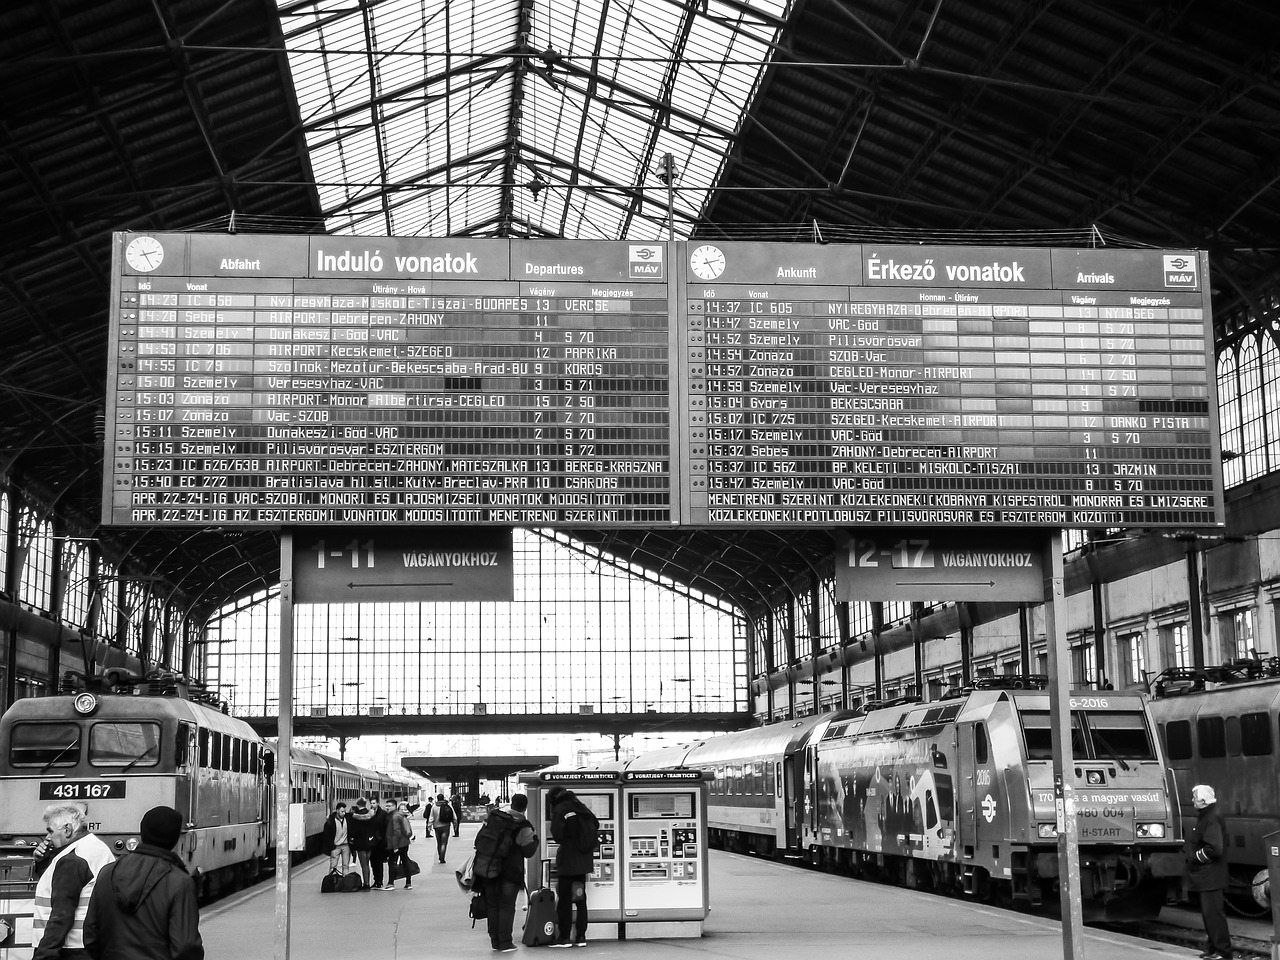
x=774, y=738
x=111, y=706
x=1243, y=696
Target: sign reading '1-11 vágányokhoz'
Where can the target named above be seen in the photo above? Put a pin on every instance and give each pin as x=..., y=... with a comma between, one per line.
x=328, y=380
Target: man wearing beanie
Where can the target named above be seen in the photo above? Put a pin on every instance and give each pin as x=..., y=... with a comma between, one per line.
x=144, y=905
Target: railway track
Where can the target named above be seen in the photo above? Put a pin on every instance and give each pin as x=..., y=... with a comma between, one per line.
x=1176, y=926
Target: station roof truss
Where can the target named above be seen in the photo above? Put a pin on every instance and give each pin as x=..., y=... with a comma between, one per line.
x=995, y=121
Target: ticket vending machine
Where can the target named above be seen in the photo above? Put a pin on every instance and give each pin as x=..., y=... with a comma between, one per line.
x=650, y=875
x=664, y=824
x=599, y=790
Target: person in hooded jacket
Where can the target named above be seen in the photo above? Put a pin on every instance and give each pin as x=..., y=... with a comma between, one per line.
x=572, y=869
x=143, y=906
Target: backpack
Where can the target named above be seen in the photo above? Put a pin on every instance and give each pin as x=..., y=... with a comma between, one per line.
x=446, y=813
x=583, y=829
x=493, y=843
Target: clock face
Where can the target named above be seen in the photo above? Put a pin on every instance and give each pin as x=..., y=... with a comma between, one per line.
x=144, y=253
x=707, y=262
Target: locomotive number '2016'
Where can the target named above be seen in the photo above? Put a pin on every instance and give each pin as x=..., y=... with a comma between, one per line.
x=983, y=778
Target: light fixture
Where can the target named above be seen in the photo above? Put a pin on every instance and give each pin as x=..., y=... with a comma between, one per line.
x=536, y=185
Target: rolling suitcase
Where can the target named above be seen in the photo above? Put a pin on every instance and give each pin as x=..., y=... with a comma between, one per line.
x=540, y=921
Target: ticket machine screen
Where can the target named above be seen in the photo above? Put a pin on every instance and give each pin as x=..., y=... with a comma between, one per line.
x=662, y=837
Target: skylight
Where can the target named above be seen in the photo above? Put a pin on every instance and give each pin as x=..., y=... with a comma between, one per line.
x=522, y=117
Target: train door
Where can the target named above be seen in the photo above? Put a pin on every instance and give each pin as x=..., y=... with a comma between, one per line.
x=792, y=800
x=185, y=757
x=977, y=807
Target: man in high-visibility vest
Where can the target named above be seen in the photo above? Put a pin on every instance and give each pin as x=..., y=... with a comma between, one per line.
x=67, y=864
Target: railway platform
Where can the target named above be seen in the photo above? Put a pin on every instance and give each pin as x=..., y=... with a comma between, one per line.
x=760, y=910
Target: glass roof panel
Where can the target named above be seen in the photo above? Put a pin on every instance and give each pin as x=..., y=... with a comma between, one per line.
x=429, y=118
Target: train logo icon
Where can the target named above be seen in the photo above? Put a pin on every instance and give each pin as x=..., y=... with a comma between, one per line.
x=1180, y=270
x=645, y=261
x=988, y=808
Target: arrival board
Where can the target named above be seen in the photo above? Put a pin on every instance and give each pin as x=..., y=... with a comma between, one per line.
x=949, y=385
x=327, y=380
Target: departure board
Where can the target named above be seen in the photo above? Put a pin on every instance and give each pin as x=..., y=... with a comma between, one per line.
x=935, y=386
x=291, y=381
x=307, y=380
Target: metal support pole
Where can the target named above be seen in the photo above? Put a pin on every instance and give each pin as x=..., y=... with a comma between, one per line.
x=1193, y=606
x=669, y=175
x=284, y=743
x=1063, y=763
x=1099, y=637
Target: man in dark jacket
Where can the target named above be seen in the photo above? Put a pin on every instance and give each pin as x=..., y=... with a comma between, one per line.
x=573, y=866
x=378, y=852
x=500, y=891
x=1205, y=850
x=144, y=905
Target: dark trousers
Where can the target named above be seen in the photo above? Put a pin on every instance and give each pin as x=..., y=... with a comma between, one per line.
x=377, y=857
x=442, y=841
x=1214, y=913
x=500, y=898
x=398, y=855
x=564, y=908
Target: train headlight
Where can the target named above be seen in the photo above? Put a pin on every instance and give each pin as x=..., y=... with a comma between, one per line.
x=131, y=844
x=85, y=703
x=1047, y=831
x=1150, y=831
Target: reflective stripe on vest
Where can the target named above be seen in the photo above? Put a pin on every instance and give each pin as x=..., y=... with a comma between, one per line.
x=96, y=855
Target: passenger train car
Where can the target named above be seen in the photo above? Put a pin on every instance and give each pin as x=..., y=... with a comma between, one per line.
x=123, y=753
x=1220, y=726
x=955, y=795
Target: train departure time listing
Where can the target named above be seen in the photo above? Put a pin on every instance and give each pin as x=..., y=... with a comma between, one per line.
x=318, y=380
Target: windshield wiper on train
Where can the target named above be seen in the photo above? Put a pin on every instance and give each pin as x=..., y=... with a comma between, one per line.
x=140, y=757
x=1100, y=741
x=60, y=754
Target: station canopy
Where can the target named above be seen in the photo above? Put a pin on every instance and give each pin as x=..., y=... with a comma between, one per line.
x=1076, y=122
x=459, y=769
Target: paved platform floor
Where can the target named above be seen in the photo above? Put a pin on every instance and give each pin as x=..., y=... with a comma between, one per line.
x=760, y=910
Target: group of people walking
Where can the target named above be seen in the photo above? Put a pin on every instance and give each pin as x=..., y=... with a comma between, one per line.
x=366, y=837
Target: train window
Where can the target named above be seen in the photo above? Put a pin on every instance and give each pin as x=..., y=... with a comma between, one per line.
x=1255, y=734
x=1177, y=739
x=768, y=779
x=44, y=745
x=1233, y=736
x=215, y=750
x=124, y=744
x=204, y=748
x=777, y=779
x=1038, y=735
x=1120, y=735
x=1211, y=737
x=181, y=744
x=980, y=752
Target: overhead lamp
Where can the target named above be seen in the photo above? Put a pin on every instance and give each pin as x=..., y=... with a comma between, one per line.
x=536, y=185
